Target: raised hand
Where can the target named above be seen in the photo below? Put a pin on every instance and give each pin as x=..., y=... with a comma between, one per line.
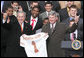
x=76, y=18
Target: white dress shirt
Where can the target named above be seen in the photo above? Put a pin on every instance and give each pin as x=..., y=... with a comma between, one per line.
x=34, y=21
x=76, y=34
x=22, y=25
x=4, y=21
x=48, y=12
x=53, y=25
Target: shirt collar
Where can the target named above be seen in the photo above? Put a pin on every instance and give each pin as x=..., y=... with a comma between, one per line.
x=53, y=25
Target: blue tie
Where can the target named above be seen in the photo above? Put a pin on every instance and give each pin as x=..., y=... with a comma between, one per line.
x=71, y=18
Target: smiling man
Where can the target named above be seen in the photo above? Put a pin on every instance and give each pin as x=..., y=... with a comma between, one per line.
x=57, y=32
x=34, y=20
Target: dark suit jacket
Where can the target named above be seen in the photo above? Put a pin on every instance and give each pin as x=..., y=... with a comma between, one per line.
x=39, y=23
x=55, y=38
x=79, y=29
x=13, y=43
x=5, y=33
x=63, y=14
x=4, y=37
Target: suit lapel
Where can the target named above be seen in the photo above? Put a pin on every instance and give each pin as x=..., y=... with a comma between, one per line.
x=45, y=14
x=24, y=27
x=18, y=28
x=36, y=26
x=49, y=30
x=29, y=19
x=66, y=12
x=55, y=28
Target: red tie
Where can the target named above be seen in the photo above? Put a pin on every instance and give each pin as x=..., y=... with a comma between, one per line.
x=21, y=28
x=72, y=37
x=33, y=23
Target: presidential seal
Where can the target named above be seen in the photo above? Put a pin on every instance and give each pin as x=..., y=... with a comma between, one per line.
x=76, y=44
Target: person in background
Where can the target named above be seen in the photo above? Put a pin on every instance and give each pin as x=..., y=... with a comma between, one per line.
x=56, y=5
x=45, y=21
x=16, y=7
x=48, y=8
x=34, y=20
x=5, y=5
x=10, y=15
x=64, y=13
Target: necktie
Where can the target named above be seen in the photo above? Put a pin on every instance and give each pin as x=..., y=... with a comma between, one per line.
x=33, y=23
x=35, y=48
x=52, y=28
x=21, y=28
x=48, y=13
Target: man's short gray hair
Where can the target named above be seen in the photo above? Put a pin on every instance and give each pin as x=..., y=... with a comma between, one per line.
x=53, y=13
x=21, y=12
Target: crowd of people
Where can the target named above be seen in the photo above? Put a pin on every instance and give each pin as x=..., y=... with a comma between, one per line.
x=60, y=19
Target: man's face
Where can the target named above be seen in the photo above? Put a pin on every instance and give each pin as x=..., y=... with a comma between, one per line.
x=73, y=12
x=34, y=4
x=10, y=11
x=14, y=5
x=35, y=12
x=69, y=3
x=21, y=17
x=48, y=7
x=52, y=19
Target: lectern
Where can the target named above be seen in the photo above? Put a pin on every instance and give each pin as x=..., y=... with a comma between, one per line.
x=69, y=51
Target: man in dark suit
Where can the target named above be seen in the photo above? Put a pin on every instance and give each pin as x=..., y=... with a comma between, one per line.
x=78, y=32
x=16, y=30
x=57, y=32
x=4, y=35
x=34, y=20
